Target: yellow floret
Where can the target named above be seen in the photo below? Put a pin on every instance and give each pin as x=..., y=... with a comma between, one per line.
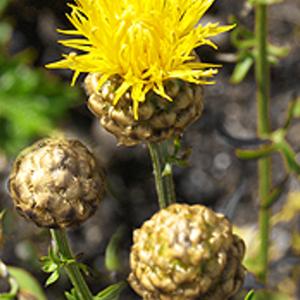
x=145, y=42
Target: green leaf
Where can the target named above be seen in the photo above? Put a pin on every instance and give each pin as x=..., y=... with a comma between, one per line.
x=52, y=262
x=112, y=292
x=53, y=255
x=278, y=52
x=52, y=278
x=270, y=295
x=72, y=295
x=290, y=157
x=293, y=111
x=49, y=267
x=49, y=263
x=69, y=296
x=241, y=69
x=112, y=257
x=14, y=288
x=263, y=151
x=2, y=214
x=84, y=268
x=242, y=38
x=179, y=157
x=275, y=194
x=27, y=282
x=177, y=145
x=250, y=295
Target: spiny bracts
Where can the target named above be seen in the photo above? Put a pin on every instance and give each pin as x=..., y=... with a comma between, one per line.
x=186, y=252
x=56, y=183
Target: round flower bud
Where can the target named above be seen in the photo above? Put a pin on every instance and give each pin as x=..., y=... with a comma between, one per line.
x=158, y=118
x=186, y=252
x=56, y=183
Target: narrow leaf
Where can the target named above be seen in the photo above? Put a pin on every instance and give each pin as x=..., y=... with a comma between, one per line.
x=278, y=52
x=275, y=194
x=290, y=157
x=241, y=69
x=52, y=278
x=261, y=152
x=291, y=113
x=27, y=282
x=112, y=292
x=296, y=112
x=72, y=295
x=270, y=295
x=250, y=295
x=69, y=296
x=14, y=288
x=112, y=257
x=49, y=266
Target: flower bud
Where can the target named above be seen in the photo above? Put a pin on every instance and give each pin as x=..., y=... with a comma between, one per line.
x=186, y=252
x=56, y=183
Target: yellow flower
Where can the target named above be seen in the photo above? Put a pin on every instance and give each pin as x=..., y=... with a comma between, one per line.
x=145, y=42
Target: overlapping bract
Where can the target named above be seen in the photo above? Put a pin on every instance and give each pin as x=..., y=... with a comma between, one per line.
x=186, y=252
x=56, y=183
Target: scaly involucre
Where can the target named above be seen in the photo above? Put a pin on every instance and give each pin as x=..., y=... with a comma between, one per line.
x=145, y=42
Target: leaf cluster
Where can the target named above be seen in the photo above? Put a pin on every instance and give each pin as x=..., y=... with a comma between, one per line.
x=54, y=262
x=245, y=43
x=276, y=142
x=177, y=155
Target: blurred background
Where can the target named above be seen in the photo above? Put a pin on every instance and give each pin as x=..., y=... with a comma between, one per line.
x=35, y=103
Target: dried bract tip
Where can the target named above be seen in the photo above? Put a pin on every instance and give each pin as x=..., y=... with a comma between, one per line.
x=186, y=252
x=56, y=183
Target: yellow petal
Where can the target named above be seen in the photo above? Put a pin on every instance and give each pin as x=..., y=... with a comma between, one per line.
x=145, y=42
x=121, y=91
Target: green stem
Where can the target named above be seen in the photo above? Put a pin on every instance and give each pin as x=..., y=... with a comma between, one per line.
x=72, y=270
x=168, y=178
x=163, y=182
x=264, y=165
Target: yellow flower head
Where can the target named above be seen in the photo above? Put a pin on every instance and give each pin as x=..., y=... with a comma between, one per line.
x=145, y=42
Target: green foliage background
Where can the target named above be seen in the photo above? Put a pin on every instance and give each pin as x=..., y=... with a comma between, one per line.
x=31, y=102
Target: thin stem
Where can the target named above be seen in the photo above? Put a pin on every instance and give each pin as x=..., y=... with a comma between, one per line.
x=163, y=182
x=168, y=178
x=264, y=165
x=72, y=270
